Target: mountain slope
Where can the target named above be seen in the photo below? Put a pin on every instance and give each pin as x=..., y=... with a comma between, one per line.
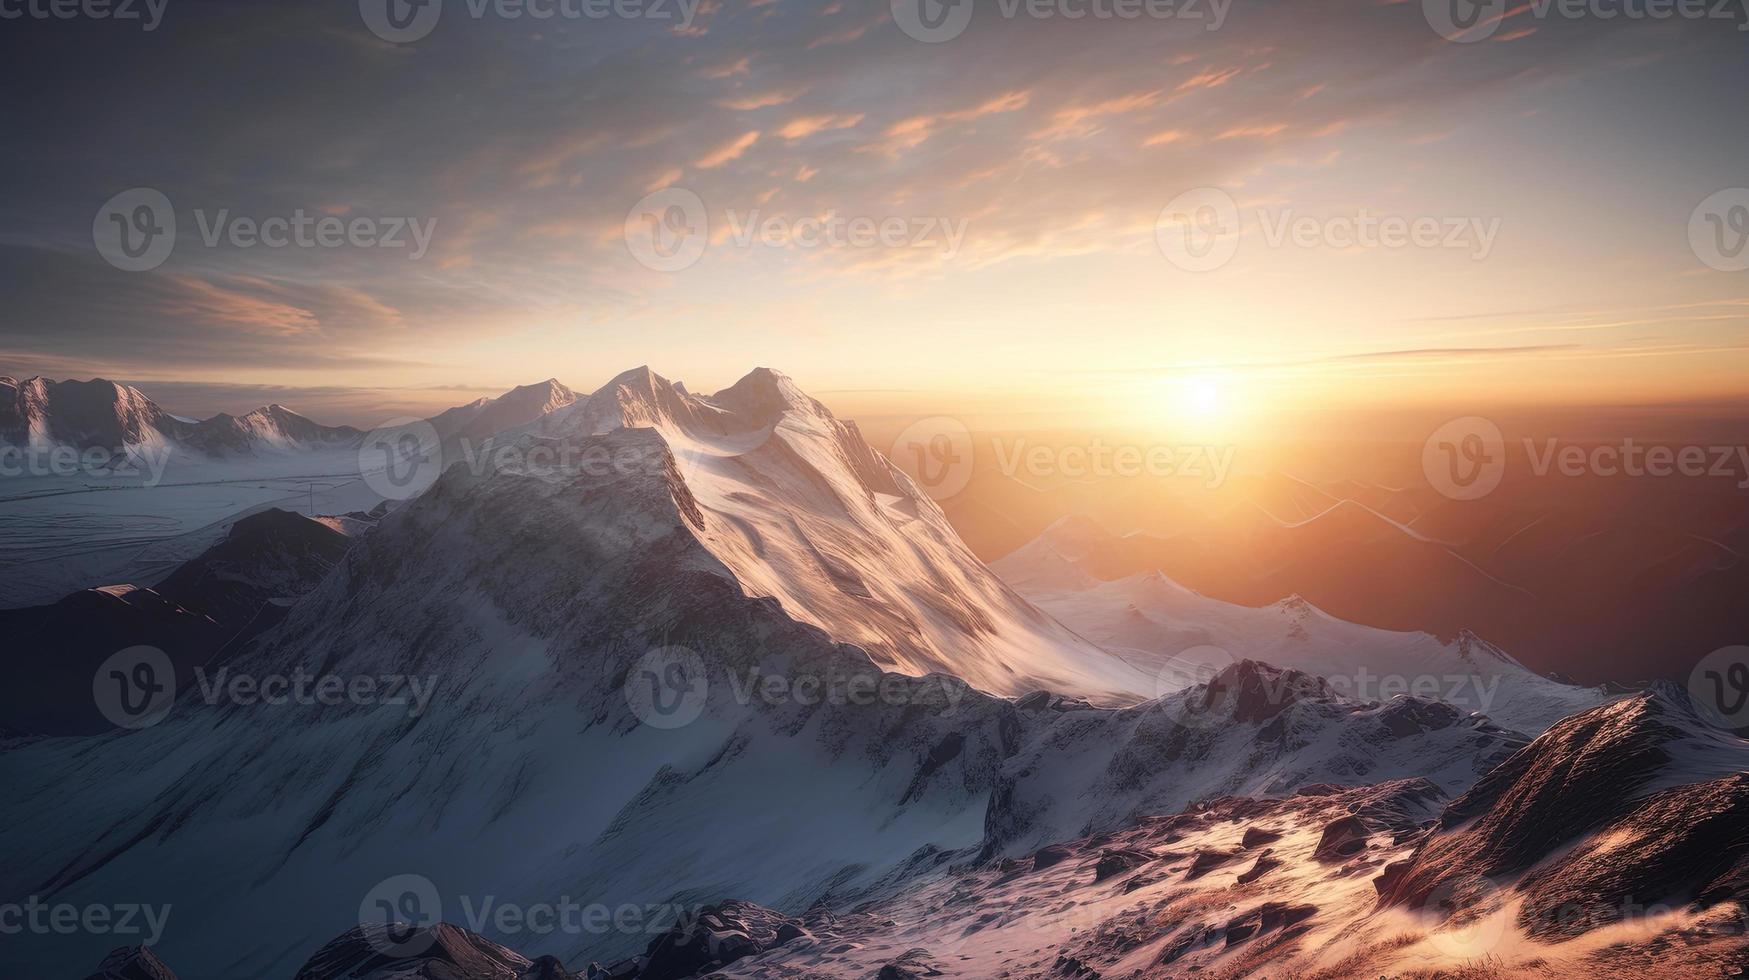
x=528, y=605
x=1629, y=807
x=480, y=420
x=798, y=507
x=1155, y=621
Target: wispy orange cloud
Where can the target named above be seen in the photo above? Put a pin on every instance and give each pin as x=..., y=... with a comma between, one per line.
x=728, y=151
x=803, y=126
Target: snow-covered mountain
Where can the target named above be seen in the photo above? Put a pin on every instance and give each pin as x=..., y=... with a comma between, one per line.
x=1151, y=620
x=40, y=413
x=534, y=619
x=1612, y=845
x=795, y=505
x=482, y=419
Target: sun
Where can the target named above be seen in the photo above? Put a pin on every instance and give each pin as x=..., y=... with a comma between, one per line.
x=1204, y=398
x=1199, y=405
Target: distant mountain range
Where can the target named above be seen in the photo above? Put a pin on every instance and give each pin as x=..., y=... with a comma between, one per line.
x=1592, y=579
x=41, y=413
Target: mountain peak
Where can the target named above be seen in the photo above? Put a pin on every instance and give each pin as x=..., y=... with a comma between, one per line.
x=763, y=391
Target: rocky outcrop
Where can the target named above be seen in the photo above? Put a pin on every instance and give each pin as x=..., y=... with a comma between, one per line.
x=401, y=952
x=1621, y=809
x=132, y=963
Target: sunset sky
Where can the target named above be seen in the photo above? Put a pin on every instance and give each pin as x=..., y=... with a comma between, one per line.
x=1054, y=143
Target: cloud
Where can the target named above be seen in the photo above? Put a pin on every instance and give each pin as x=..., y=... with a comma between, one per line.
x=726, y=152
x=804, y=126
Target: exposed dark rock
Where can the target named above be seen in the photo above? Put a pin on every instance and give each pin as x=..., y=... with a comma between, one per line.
x=1249, y=691
x=623, y=970
x=1264, y=865
x=1207, y=861
x=1343, y=838
x=1118, y=861
x=132, y=963
x=914, y=965
x=440, y=952
x=1266, y=918
x=718, y=936
x=1051, y=856
x=1258, y=836
x=1193, y=938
